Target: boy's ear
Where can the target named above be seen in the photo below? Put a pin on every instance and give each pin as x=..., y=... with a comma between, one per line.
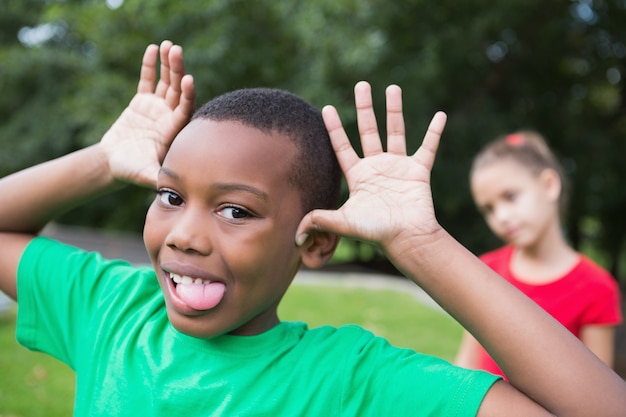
x=318, y=248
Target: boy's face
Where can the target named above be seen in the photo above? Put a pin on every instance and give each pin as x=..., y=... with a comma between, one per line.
x=221, y=230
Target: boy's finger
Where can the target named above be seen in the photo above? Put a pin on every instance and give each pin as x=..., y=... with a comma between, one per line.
x=164, y=78
x=339, y=140
x=396, y=141
x=425, y=155
x=187, y=103
x=366, y=119
x=147, y=74
x=176, y=73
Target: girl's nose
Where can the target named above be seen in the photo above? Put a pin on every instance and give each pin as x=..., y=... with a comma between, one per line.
x=501, y=213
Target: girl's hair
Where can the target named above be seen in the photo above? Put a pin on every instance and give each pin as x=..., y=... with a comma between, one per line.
x=529, y=149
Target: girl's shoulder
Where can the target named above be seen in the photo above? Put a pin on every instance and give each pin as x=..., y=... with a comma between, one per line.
x=500, y=257
x=590, y=271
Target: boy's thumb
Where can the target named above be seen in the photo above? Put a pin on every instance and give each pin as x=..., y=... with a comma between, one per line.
x=316, y=220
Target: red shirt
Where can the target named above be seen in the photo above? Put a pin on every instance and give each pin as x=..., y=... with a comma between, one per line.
x=586, y=295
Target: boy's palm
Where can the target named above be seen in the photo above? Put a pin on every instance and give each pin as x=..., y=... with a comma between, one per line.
x=389, y=191
x=388, y=194
x=139, y=139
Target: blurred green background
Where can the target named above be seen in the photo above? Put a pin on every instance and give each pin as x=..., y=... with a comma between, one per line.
x=68, y=68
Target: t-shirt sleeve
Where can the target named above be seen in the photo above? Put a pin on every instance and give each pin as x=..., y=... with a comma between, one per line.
x=604, y=307
x=61, y=289
x=600, y=293
x=392, y=381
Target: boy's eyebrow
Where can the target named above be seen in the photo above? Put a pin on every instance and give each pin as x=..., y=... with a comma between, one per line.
x=169, y=173
x=223, y=186
x=242, y=187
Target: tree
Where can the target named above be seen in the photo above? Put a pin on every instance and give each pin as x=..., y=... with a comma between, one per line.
x=494, y=67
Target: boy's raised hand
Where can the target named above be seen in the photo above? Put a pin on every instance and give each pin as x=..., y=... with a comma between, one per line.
x=390, y=192
x=131, y=151
x=391, y=204
x=138, y=140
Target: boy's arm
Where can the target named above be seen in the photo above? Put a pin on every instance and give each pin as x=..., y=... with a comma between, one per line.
x=391, y=204
x=130, y=152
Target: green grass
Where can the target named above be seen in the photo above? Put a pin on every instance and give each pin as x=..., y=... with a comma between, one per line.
x=349, y=250
x=396, y=316
x=33, y=384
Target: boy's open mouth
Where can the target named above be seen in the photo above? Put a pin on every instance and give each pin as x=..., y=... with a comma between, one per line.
x=185, y=280
x=198, y=293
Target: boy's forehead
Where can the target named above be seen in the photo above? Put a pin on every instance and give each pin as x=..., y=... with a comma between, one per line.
x=228, y=130
x=232, y=142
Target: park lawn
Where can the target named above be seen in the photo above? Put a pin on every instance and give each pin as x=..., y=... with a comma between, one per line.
x=33, y=384
x=396, y=316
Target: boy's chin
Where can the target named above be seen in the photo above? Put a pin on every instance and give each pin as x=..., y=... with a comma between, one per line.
x=194, y=326
x=201, y=327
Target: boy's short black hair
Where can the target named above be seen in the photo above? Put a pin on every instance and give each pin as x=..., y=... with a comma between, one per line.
x=315, y=171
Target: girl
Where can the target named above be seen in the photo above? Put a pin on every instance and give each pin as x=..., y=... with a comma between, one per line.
x=518, y=186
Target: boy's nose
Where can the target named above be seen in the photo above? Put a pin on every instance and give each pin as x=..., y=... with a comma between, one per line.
x=190, y=233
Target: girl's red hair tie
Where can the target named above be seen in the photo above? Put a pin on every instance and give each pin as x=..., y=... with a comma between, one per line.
x=515, y=139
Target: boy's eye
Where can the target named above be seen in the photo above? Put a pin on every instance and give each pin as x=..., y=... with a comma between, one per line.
x=169, y=198
x=234, y=213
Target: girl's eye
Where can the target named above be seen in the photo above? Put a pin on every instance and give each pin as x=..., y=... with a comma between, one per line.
x=169, y=198
x=234, y=213
x=510, y=196
x=485, y=211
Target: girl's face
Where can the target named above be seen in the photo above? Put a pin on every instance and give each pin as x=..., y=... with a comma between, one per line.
x=518, y=206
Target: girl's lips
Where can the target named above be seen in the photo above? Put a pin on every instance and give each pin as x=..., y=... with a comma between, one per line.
x=511, y=232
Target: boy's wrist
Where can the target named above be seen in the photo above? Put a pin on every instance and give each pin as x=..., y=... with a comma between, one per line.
x=102, y=174
x=414, y=250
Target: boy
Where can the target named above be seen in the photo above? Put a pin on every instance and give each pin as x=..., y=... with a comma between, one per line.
x=234, y=190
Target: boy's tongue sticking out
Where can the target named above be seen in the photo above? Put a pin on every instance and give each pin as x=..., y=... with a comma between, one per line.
x=197, y=294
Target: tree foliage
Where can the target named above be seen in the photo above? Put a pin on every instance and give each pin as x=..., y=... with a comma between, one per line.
x=70, y=66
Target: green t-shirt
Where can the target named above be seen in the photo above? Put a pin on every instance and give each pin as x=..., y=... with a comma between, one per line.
x=107, y=320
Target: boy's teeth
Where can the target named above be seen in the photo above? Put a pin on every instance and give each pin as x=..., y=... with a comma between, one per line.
x=185, y=280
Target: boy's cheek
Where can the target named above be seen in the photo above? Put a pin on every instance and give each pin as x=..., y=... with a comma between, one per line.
x=151, y=237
